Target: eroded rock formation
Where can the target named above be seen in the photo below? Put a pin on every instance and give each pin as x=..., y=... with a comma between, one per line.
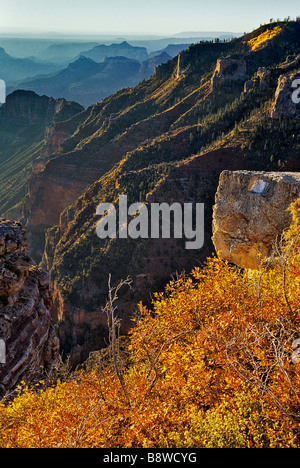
x=261, y=80
x=284, y=106
x=250, y=213
x=26, y=326
x=228, y=70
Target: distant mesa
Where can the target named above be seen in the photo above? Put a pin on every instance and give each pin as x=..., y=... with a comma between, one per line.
x=16, y=69
x=88, y=81
x=100, y=52
x=28, y=105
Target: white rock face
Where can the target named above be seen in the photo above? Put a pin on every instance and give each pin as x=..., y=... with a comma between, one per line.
x=258, y=186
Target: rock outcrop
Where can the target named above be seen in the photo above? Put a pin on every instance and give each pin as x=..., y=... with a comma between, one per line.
x=26, y=325
x=261, y=80
x=250, y=213
x=284, y=106
x=228, y=70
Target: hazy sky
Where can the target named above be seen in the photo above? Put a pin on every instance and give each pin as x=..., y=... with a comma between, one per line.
x=141, y=16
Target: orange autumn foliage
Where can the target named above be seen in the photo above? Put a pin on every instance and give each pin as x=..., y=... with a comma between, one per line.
x=211, y=365
x=263, y=38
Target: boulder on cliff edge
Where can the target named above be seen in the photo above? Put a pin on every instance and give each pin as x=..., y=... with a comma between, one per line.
x=250, y=214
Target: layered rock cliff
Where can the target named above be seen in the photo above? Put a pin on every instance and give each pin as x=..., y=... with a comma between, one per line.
x=250, y=214
x=26, y=325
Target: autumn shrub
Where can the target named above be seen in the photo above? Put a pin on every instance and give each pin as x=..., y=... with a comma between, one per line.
x=209, y=365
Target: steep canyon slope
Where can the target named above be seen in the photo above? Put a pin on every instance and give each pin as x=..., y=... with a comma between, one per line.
x=167, y=139
x=24, y=121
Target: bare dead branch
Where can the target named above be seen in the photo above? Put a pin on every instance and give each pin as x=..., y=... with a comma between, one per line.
x=114, y=326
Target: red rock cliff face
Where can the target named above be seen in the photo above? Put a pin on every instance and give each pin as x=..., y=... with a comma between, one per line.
x=26, y=325
x=57, y=183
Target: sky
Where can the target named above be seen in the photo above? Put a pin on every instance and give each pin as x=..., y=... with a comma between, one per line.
x=158, y=17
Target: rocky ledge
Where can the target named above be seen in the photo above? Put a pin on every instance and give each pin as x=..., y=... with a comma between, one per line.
x=29, y=346
x=250, y=214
